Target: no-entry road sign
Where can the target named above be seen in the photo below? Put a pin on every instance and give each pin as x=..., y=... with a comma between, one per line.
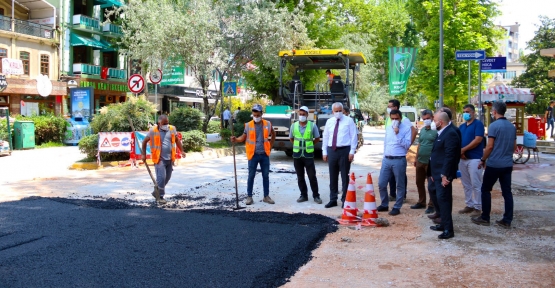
x=136, y=83
x=466, y=55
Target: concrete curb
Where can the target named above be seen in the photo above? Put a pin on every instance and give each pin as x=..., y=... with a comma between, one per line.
x=191, y=158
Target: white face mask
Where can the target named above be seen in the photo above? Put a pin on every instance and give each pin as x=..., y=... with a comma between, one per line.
x=257, y=119
x=395, y=123
x=427, y=122
x=302, y=118
x=164, y=127
x=388, y=111
x=433, y=125
x=338, y=115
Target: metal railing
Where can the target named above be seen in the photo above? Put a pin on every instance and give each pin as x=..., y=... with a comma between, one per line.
x=86, y=21
x=26, y=27
x=82, y=68
x=5, y=23
x=111, y=28
x=116, y=73
x=34, y=29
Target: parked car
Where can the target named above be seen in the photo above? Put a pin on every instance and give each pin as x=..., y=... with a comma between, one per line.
x=5, y=148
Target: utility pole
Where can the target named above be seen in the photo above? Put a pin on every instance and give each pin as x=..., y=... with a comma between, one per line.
x=440, y=53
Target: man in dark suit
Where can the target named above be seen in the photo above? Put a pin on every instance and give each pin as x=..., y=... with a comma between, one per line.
x=442, y=169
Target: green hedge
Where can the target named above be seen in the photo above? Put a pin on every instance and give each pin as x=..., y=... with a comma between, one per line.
x=213, y=127
x=193, y=141
x=186, y=119
x=242, y=117
x=48, y=128
x=4, y=129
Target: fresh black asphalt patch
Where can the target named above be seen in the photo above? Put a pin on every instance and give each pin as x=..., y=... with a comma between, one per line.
x=96, y=243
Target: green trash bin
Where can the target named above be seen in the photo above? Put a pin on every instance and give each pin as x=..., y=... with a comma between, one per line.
x=24, y=134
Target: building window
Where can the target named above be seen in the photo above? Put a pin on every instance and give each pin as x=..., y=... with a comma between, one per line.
x=24, y=56
x=45, y=65
x=3, y=54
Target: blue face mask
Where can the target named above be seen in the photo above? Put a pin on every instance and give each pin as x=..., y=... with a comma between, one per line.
x=466, y=116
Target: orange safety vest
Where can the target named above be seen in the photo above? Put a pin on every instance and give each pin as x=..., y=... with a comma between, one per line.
x=250, y=143
x=156, y=143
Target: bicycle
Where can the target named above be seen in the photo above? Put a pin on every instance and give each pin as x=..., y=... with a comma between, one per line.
x=521, y=154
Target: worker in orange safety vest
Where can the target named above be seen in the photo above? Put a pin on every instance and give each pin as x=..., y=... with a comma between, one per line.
x=258, y=146
x=163, y=143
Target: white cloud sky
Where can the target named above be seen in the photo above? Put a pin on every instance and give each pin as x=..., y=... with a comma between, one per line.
x=526, y=13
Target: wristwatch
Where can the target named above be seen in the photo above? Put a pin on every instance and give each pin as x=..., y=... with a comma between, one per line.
x=482, y=160
x=445, y=177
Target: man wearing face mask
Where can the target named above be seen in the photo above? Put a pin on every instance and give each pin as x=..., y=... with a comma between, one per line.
x=258, y=146
x=394, y=104
x=397, y=143
x=442, y=169
x=304, y=135
x=425, y=144
x=472, y=133
x=339, y=143
x=163, y=141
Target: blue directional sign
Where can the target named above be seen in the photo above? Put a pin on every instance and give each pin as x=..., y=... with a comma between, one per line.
x=230, y=88
x=466, y=55
x=494, y=65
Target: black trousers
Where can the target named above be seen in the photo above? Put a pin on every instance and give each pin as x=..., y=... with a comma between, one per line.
x=301, y=164
x=338, y=162
x=443, y=201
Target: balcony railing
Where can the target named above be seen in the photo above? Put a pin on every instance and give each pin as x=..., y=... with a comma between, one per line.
x=86, y=22
x=111, y=30
x=5, y=23
x=34, y=29
x=26, y=27
x=81, y=68
x=116, y=73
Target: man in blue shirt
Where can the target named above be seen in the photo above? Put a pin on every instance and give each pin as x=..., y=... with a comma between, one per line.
x=398, y=138
x=472, y=134
x=499, y=157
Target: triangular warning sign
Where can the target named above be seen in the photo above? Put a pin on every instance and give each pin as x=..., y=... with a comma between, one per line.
x=229, y=90
x=105, y=143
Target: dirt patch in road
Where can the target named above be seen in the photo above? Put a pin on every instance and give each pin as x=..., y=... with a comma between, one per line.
x=408, y=253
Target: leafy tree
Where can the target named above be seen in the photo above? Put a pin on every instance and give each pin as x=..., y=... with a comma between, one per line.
x=213, y=36
x=186, y=119
x=537, y=67
x=467, y=26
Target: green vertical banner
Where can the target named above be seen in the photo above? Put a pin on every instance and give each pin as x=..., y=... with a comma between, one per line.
x=401, y=61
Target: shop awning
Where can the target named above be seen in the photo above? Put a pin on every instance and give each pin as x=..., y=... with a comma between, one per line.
x=78, y=40
x=195, y=100
x=108, y=46
x=108, y=3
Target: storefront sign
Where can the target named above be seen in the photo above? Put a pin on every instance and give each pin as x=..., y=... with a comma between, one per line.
x=104, y=86
x=3, y=83
x=12, y=66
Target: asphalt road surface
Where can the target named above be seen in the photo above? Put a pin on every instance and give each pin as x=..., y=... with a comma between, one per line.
x=94, y=243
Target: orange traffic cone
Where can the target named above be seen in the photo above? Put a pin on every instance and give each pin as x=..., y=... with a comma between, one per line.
x=350, y=210
x=370, y=210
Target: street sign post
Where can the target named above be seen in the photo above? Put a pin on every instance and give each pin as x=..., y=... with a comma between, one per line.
x=467, y=55
x=494, y=65
x=155, y=78
x=470, y=55
x=230, y=88
x=136, y=83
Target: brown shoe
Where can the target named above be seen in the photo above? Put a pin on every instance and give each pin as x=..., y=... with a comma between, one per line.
x=433, y=216
x=437, y=220
x=476, y=213
x=466, y=210
x=268, y=200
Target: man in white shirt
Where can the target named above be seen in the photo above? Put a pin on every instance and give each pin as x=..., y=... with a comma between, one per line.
x=398, y=138
x=339, y=143
x=227, y=117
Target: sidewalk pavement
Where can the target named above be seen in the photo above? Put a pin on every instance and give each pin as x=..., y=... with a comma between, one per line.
x=535, y=176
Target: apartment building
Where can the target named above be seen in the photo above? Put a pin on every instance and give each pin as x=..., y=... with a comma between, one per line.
x=29, y=57
x=90, y=60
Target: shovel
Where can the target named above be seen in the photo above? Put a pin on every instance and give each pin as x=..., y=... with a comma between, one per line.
x=156, y=191
x=237, y=207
